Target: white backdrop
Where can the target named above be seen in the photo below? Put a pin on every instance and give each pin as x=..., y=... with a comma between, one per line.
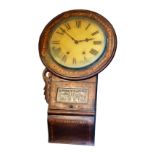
x=126, y=89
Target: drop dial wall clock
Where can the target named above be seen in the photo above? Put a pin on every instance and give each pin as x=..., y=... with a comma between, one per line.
x=74, y=47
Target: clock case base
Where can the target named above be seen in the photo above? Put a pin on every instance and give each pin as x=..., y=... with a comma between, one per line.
x=69, y=122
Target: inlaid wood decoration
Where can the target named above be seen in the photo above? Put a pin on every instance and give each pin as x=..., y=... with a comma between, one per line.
x=74, y=47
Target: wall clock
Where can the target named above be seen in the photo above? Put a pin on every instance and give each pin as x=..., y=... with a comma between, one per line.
x=74, y=47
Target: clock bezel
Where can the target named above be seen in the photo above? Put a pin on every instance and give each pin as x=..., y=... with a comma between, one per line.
x=81, y=65
x=91, y=70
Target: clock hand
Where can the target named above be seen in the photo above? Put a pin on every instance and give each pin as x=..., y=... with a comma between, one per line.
x=86, y=40
x=75, y=41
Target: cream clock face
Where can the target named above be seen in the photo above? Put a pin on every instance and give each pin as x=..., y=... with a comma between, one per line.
x=77, y=42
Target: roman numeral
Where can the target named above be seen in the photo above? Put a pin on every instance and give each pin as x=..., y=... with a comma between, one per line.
x=78, y=23
x=59, y=33
x=74, y=60
x=62, y=30
x=87, y=26
x=55, y=42
x=85, y=59
x=67, y=26
x=64, y=58
x=94, y=33
x=93, y=51
x=56, y=50
x=97, y=42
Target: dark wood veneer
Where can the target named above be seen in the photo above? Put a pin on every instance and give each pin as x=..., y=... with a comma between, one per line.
x=73, y=123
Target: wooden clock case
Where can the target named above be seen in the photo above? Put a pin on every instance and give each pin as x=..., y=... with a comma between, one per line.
x=70, y=122
x=71, y=119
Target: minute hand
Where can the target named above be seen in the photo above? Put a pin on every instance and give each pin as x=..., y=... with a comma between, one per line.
x=69, y=35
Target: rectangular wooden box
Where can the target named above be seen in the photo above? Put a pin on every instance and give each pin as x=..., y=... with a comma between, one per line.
x=71, y=129
x=71, y=111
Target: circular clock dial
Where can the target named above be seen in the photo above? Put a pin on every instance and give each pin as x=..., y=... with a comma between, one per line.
x=77, y=42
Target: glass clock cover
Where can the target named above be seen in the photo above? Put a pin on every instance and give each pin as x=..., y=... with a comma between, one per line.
x=77, y=42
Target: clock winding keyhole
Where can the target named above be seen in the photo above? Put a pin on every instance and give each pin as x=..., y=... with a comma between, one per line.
x=71, y=106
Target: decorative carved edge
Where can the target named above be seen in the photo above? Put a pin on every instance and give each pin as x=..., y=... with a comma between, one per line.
x=47, y=76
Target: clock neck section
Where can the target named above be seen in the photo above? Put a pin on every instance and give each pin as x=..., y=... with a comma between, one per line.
x=70, y=97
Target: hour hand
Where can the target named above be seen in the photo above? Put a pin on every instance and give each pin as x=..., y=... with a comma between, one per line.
x=86, y=40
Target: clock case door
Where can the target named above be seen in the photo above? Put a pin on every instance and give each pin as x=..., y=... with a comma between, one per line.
x=71, y=109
